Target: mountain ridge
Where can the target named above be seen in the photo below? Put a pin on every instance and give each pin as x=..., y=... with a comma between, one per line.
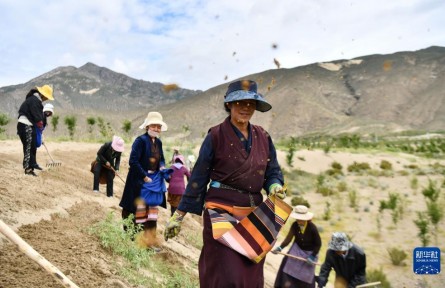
x=378, y=93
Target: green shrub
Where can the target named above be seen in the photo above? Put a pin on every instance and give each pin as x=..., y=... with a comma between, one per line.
x=119, y=242
x=358, y=167
x=422, y=224
x=342, y=186
x=385, y=165
x=353, y=199
x=327, y=212
x=375, y=275
x=4, y=120
x=337, y=166
x=298, y=200
x=397, y=256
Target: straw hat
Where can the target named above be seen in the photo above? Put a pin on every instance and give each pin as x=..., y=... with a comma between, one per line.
x=301, y=212
x=154, y=118
x=117, y=144
x=46, y=91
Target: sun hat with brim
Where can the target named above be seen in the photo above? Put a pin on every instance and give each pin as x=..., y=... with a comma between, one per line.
x=154, y=118
x=46, y=91
x=301, y=212
x=117, y=144
x=339, y=242
x=48, y=108
x=246, y=90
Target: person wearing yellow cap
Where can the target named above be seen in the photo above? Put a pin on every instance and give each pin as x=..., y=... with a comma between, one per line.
x=30, y=120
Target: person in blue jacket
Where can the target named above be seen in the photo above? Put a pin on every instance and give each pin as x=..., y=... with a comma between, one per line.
x=146, y=160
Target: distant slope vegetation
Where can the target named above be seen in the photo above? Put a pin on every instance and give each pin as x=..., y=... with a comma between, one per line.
x=370, y=94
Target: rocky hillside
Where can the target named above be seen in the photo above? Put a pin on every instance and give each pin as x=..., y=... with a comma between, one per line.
x=369, y=94
x=91, y=87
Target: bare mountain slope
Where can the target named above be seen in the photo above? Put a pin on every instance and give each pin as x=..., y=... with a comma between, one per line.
x=93, y=88
x=376, y=93
x=370, y=94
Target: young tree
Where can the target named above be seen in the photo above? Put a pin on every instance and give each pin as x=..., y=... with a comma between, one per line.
x=126, y=126
x=70, y=122
x=55, y=122
x=4, y=120
x=102, y=126
x=91, y=121
x=422, y=224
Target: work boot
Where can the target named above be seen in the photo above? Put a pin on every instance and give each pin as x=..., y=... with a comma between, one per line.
x=36, y=166
x=30, y=171
x=147, y=239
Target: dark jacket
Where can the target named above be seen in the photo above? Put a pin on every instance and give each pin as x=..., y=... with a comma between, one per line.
x=139, y=165
x=196, y=193
x=309, y=240
x=32, y=108
x=106, y=154
x=352, y=268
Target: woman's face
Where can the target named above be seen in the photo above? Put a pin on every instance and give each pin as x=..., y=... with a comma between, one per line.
x=242, y=111
x=154, y=130
x=301, y=222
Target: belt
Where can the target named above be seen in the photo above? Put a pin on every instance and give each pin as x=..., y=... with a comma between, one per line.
x=216, y=184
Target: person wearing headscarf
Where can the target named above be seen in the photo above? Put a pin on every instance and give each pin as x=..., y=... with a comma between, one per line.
x=146, y=161
x=348, y=261
x=30, y=122
x=239, y=160
x=176, y=185
x=306, y=245
x=108, y=159
x=48, y=111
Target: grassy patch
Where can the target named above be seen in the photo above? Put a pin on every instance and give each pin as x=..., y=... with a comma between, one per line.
x=140, y=267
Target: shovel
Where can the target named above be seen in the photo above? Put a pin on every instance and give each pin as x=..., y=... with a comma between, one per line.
x=53, y=163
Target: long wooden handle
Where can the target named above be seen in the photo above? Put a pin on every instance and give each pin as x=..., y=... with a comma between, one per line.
x=34, y=255
x=368, y=284
x=296, y=257
x=48, y=152
x=115, y=173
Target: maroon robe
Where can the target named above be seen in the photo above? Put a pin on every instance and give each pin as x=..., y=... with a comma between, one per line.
x=220, y=266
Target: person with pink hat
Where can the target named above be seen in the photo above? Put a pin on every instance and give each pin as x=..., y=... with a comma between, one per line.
x=306, y=245
x=108, y=159
x=176, y=185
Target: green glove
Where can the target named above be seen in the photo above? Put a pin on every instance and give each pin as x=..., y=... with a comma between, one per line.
x=173, y=226
x=277, y=190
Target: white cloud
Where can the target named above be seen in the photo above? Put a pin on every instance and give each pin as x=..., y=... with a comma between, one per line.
x=192, y=42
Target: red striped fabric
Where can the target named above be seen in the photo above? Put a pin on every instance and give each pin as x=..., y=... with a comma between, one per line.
x=254, y=235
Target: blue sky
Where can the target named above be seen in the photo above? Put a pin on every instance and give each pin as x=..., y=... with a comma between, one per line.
x=198, y=44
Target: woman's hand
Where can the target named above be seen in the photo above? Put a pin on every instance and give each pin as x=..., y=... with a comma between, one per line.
x=277, y=190
x=147, y=179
